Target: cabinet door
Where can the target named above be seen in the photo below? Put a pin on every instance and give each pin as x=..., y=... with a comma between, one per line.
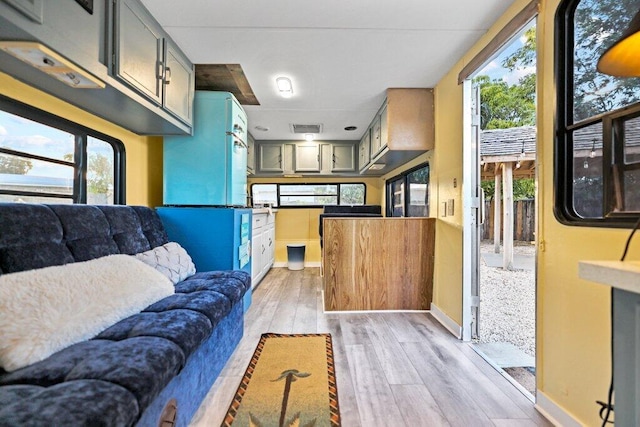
x=251, y=155
x=384, y=127
x=29, y=8
x=375, y=137
x=307, y=158
x=271, y=246
x=364, y=150
x=256, y=255
x=270, y=158
x=343, y=158
x=179, y=84
x=139, y=49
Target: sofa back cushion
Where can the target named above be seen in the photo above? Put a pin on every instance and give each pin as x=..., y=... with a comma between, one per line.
x=36, y=236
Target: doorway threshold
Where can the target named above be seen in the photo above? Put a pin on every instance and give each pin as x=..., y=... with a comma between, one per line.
x=486, y=352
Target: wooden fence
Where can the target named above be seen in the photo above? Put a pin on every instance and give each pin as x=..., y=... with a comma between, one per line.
x=524, y=223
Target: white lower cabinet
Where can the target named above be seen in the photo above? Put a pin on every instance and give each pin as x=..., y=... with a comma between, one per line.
x=263, y=245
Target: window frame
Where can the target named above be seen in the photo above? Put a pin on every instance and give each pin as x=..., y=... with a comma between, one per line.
x=565, y=127
x=404, y=176
x=80, y=161
x=280, y=206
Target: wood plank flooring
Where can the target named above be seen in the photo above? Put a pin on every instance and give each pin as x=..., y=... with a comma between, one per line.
x=392, y=369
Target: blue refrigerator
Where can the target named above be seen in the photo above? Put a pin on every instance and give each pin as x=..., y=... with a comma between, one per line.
x=208, y=168
x=215, y=238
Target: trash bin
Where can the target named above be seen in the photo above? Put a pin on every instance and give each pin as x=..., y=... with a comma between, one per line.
x=295, y=256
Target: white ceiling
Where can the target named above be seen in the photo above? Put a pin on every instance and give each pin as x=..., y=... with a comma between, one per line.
x=341, y=55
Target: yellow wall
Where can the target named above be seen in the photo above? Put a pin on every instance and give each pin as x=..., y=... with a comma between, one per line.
x=295, y=225
x=573, y=361
x=143, y=154
x=573, y=314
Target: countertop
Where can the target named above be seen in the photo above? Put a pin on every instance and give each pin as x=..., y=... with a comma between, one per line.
x=264, y=210
x=623, y=275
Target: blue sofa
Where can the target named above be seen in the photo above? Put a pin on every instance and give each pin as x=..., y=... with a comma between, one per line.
x=157, y=364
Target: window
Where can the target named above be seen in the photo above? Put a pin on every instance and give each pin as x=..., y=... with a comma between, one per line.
x=308, y=195
x=408, y=193
x=47, y=159
x=598, y=118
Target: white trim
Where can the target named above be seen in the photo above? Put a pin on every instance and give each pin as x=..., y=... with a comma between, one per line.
x=446, y=321
x=281, y=264
x=554, y=413
x=467, y=250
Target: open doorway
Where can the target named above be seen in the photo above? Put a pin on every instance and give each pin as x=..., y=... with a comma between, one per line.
x=502, y=282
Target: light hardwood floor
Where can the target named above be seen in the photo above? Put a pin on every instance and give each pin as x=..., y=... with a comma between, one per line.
x=392, y=369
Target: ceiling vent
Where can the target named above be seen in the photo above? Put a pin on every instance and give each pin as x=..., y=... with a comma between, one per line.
x=306, y=128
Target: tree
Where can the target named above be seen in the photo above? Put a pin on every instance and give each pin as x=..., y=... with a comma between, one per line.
x=523, y=189
x=505, y=106
x=99, y=174
x=597, y=25
x=15, y=165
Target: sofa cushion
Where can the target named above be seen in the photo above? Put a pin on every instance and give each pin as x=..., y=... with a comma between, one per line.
x=86, y=231
x=66, y=405
x=171, y=260
x=48, y=309
x=212, y=304
x=126, y=229
x=186, y=328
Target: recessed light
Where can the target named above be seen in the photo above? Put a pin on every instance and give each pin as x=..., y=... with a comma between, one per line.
x=308, y=137
x=261, y=128
x=377, y=166
x=284, y=87
x=350, y=128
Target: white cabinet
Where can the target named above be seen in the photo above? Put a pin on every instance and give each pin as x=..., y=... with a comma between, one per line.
x=263, y=244
x=307, y=158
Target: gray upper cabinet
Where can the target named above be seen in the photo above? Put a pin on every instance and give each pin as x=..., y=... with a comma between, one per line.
x=139, y=49
x=343, y=158
x=251, y=155
x=307, y=158
x=179, y=84
x=148, y=60
x=271, y=158
x=364, y=149
x=29, y=8
x=376, y=137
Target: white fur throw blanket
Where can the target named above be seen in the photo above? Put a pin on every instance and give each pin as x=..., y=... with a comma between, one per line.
x=45, y=310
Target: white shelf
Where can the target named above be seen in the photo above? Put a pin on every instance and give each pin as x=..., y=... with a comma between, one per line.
x=623, y=275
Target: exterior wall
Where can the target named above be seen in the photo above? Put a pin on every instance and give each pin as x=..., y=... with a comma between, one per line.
x=573, y=323
x=300, y=225
x=573, y=315
x=143, y=153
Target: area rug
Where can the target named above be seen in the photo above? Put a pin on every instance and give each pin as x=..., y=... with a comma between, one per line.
x=290, y=381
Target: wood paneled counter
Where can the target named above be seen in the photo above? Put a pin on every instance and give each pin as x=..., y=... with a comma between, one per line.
x=378, y=263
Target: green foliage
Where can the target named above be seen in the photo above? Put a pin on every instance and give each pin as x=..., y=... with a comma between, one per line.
x=15, y=165
x=505, y=106
x=99, y=174
x=526, y=55
x=523, y=189
x=352, y=194
x=598, y=24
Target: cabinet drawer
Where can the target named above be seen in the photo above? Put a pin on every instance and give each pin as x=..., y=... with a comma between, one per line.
x=259, y=220
x=271, y=219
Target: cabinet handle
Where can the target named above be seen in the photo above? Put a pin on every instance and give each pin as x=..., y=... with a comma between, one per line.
x=334, y=159
x=160, y=70
x=270, y=241
x=167, y=75
x=263, y=249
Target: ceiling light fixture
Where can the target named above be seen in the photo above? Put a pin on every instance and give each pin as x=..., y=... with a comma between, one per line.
x=50, y=62
x=622, y=58
x=284, y=87
x=350, y=128
x=592, y=154
x=308, y=137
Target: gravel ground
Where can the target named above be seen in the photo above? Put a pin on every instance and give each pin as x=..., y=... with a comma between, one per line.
x=507, y=302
